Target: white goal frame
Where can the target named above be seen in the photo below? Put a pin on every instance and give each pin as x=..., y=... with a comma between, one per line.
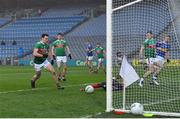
x=109, y=100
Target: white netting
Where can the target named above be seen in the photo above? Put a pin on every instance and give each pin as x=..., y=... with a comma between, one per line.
x=129, y=27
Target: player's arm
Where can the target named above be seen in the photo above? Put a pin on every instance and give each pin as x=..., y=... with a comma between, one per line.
x=141, y=51
x=87, y=50
x=104, y=52
x=69, y=53
x=92, y=50
x=36, y=54
x=52, y=51
x=167, y=57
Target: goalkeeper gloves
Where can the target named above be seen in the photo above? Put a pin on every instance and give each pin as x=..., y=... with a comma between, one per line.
x=70, y=57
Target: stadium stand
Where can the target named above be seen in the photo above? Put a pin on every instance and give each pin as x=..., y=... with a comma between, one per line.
x=94, y=30
x=4, y=21
x=78, y=28
x=26, y=31
x=34, y=26
x=93, y=27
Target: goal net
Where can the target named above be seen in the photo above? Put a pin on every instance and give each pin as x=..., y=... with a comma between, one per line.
x=131, y=23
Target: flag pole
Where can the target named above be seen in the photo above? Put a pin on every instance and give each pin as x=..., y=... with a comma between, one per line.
x=124, y=95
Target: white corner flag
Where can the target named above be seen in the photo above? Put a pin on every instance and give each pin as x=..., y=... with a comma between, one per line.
x=128, y=73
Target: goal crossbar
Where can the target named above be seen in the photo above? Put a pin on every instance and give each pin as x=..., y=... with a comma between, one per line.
x=126, y=5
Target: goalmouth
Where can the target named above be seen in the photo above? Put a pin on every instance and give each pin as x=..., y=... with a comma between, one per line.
x=127, y=24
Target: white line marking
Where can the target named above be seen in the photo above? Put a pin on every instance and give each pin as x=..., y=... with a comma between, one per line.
x=90, y=116
x=159, y=102
x=26, y=90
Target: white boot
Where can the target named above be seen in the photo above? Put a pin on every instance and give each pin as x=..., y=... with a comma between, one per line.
x=141, y=82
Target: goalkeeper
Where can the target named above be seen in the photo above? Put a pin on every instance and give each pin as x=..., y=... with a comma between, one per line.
x=59, y=49
x=116, y=85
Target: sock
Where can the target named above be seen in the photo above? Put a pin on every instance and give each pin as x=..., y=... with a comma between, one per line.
x=96, y=85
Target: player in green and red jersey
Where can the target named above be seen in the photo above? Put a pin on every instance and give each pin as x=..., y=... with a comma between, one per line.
x=149, y=51
x=59, y=49
x=40, y=53
x=101, y=55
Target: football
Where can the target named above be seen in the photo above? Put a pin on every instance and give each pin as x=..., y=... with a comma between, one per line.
x=137, y=108
x=89, y=89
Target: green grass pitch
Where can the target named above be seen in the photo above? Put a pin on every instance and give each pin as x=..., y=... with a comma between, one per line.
x=17, y=99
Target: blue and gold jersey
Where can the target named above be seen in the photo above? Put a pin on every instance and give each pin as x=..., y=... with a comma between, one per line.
x=162, y=48
x=89, y=48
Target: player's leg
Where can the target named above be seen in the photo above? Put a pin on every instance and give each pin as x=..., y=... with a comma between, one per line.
x=50, y=68
x=103, y=67
x=158, y=65
x=96, y=86
x=58, y=61
x=37, y=74
x=99, y=65
x=90, y=66
x=149, y=71
x=64, y=68
x=154, y=75
x=86, y=62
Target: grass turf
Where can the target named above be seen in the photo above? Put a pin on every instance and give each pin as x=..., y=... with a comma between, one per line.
x=46, y=100
x=18, y=100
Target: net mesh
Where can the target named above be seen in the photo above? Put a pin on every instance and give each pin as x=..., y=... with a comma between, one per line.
x=129, y=28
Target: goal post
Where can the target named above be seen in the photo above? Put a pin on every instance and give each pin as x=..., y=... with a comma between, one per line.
x=128, y=22
x=109, y=55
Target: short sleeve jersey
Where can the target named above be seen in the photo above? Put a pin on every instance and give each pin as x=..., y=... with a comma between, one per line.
x=99, y=52
x=149, y=48
x=162, y=48
x=42, y=49
x=60, y=47
x=89, y=48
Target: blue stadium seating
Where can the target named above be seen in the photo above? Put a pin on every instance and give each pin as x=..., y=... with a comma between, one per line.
x=24, y=30
x=36, y=26
x=3, y=21
x=93, y=27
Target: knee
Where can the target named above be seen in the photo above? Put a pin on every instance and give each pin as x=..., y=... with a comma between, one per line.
x=38, y=75
x=53, y=73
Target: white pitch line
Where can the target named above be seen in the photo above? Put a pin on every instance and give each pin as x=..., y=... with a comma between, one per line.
x=154, y=103
x=159, y=102
x=26, y=90
x=90, y=116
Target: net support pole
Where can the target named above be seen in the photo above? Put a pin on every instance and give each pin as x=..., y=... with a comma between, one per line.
x=109, y=55
x=124, y=97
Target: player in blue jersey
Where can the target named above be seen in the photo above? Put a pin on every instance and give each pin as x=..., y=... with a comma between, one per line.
x=89, y=56
x=162, y=55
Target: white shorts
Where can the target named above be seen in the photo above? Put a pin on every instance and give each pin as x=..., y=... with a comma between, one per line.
x=61, y=59
x=150, y=60
x=100, y=60
x=38, y=67
x=159, y=61
x=89, y=58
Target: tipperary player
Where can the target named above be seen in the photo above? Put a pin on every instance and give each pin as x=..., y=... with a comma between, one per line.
x=162, y=55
